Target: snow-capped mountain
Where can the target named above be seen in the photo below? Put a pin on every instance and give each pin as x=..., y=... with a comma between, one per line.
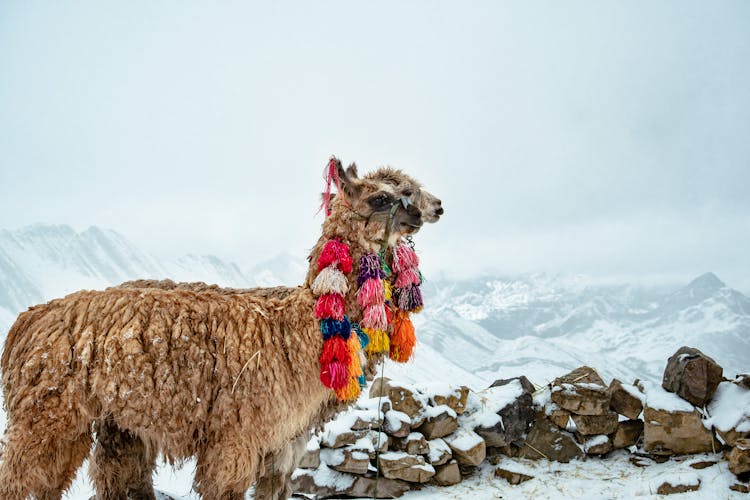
x=41, y=262
x=541, y=326
x=471, y=331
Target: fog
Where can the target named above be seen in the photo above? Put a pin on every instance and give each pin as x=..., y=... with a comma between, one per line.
x=603, y=138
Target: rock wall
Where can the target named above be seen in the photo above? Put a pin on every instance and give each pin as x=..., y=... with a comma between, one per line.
x=405, y=435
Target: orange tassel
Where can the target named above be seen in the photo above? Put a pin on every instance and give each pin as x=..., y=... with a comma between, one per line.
x=402, y=338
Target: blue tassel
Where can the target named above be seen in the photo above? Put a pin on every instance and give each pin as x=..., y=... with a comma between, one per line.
x=363, y=338
x=362, y=381
x=330, y=327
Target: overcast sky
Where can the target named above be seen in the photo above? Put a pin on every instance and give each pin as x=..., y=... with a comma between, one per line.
x=605, y=138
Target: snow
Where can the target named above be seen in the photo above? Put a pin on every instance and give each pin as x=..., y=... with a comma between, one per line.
x=463, y=439
x=729, y=409
x=595, y=441
x=595, y=478
x=438, y=448
x=659, y=399
x=482, y=407
x=324, y=476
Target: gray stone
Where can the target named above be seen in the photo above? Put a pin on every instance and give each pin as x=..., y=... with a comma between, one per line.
x=692, y=375
x=628, y=433
x=410, y=468
x=623, y=402
x=439, y=423
x=591, y=425
x=448, y=474
x=546, y=440
x=675, y=433
x=512, y=477
x=526, y=384
x=515, y=421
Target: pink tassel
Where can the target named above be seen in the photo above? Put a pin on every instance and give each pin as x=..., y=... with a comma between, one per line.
x=407, y=277
x=330, y=305
x=334, y=375
x=404, y=258
x=370, y=293
x=374, y=317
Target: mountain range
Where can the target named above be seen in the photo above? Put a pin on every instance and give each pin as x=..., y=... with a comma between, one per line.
x=471, y=331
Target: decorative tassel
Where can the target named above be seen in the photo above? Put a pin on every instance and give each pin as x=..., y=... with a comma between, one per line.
x=330, y=305
x=369, y=268
x=335, y=253
x=379, y=341
x=404, y=258
x=335, y=349
x=334, y=375
x=363, y=338
x=330, y=327
x=402, y=338
x=330, y=280
x=409, y=299
x=374, y=317
x=407, y=277
x=388, y=291
x=372, y=291
x=350, y=391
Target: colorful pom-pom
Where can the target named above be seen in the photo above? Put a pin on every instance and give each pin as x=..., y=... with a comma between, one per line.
x=409, y=299
x=335, y=349
x=369, y=268
x=330, y=305
x=404, y=258
x=371, y=292
x=335, y=253
x=330, y=280
x=379, y=341
x=387, y=291
x=334, y=375
x=407, y=277
x=402, y=338
x=363, y=338
x=330, y=327
x=374, y=317
x=350, y=391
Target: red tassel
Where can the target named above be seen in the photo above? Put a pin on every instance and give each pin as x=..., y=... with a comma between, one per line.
x=330, y=305
x=334, y=375
x=402, y=338
x=335, y=252
x=331, y=176
x=335, y=349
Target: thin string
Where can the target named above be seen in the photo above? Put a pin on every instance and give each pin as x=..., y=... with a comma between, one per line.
x=380, y=431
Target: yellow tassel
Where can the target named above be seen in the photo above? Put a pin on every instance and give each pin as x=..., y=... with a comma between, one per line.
x=349, y=392
x=388, y=290
x=379, y=341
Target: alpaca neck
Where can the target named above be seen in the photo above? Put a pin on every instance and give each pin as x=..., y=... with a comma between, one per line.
x=362, y=238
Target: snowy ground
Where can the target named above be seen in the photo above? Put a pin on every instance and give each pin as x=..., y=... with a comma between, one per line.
x=614, y=477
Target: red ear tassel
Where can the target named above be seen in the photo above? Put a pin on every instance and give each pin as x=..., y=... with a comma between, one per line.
x=331, y=176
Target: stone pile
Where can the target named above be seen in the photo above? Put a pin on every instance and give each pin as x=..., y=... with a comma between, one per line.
x=406, y=436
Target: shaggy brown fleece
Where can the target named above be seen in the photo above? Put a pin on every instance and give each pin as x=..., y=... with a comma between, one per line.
x=227, y=376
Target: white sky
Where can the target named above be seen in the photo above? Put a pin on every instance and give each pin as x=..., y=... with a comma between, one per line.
x=606, y=138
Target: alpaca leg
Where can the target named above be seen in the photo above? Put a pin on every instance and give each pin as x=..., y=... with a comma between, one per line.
x=225, y=471
x=40, y=465
x=122, y=465
x=275, y=482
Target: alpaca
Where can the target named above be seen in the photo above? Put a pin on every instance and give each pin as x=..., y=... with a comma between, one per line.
x=177, y=372
x=277, y=467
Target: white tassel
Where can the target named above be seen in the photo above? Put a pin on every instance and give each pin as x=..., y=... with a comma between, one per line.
x=330, y=280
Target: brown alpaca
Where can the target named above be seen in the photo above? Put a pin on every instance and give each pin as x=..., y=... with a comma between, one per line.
x=226, y=377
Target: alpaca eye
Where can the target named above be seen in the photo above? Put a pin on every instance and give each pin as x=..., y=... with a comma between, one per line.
x=408, y=193
x=379, y=201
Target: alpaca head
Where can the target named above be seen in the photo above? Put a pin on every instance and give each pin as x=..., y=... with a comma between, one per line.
x=385, y=204
x=429, y=205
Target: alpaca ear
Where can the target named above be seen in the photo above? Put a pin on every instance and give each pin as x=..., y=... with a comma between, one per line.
x=351, y=171
x=349, y=181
